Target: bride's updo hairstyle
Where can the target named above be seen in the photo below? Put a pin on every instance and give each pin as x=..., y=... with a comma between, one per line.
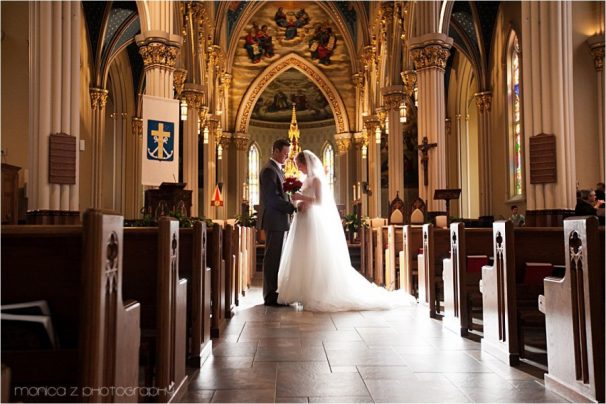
x=300, y=158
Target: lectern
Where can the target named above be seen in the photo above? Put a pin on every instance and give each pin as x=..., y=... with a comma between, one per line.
x=447, y=195
x=169, y=197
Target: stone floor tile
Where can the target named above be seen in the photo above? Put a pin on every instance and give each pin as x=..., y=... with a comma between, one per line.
x=413, y=390
x=225, y=362
x=287, y=354
x=251, y=378
x=292, y=400
x=295, y=383
x=244, y=396
x=383, y=356
x=444, y=362
x=341, y=399
x=235, y=349
x=197, y=396
x=385, y=372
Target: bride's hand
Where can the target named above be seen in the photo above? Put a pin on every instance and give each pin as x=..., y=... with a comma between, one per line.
x=297, y=196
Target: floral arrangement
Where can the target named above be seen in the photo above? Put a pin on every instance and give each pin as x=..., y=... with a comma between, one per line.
x=291, y=185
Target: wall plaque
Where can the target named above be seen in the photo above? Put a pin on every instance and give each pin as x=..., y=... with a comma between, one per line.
x=543, y=163
x=61, y=159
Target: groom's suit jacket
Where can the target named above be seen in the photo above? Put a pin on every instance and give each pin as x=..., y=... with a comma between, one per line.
x=274, y=204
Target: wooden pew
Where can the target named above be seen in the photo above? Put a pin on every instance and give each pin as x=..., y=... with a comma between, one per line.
x=508, y=305
x=392, y=235
x=231, y=253
x=215, y=261
x=436, y=246
x=192, y=266
x=367, y=245
x=412, y=241
x=151, y=275
x=377, y=247
x=78, y=271
x=574, y=315
x=462, y=281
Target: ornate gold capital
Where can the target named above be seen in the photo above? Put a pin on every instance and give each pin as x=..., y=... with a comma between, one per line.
x=409, y=78
x=179, y=77
x=368, y=56
x=360, y=139
x=202, y=115
x=434, y=55
x=225, y=141
x=483, y=101
x=137, y=127
x=226, y=80
x=194, y=99
x=343, y=141
x=371, y=122
x=392, y=97
x=358, y=80
x=241, y=142
x=159, y=54
x=98, y=98
x=598, y=57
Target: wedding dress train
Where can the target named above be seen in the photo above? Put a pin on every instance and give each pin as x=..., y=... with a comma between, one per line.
x=315, y=268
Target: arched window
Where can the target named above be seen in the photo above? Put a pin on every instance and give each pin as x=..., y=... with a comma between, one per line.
x=328, y=160
x=516, y=141
x=253, y=175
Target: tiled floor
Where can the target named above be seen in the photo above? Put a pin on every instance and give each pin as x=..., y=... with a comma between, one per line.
x=281, y=354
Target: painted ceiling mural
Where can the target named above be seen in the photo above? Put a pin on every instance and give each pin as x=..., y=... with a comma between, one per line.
x=283, y=27
x=292, y=87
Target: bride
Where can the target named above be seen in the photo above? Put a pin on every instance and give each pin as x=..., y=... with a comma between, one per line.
x=315, y=268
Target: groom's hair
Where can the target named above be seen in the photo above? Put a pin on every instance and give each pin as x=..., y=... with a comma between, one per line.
x=280, y=143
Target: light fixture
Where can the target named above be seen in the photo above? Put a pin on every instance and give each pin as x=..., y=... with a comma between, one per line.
x=416, y=97
x=206, y=135
x=364, y=151
x=387, y=125
x=183, y=106
x=403, y=112
x=220, y=152
x=378, y=134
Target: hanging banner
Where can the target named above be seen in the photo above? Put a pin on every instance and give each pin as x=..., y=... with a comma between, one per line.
x=217, y=199
x=160, y=160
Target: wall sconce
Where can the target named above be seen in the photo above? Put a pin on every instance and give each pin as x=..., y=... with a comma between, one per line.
x=403, y=112
x=416, y=97
x=219, y=152
x=206, y=132
x=364, y=151
x=378, y=134
x=183, y=108
x=387, y=125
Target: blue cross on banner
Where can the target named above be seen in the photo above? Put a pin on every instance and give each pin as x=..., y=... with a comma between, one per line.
x=160, y=140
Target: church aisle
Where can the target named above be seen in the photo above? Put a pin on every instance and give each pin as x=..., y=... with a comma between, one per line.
x=279, y=354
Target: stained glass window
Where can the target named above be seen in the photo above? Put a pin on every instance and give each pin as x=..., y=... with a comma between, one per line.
x=328, y=159
x=253, y=175
x=516, y=158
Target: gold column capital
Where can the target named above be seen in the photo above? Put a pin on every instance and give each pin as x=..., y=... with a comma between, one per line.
x=159, y=53
x=393, y=97
x=371, y=122
x=360, y=139
x=358, y=80
x=179, y=77
x=241, y=141
x=598, y=57
x=137, y=126
x=409, y=78
x=98, y=98
x=483, y=101
x=343, y=141
x=193, y=98
x=430, y=51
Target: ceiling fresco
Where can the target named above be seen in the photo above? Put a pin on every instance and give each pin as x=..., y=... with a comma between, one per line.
x=280, y=28
x=292, y=87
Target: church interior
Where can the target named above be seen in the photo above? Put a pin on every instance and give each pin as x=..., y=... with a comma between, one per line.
x=463, y=142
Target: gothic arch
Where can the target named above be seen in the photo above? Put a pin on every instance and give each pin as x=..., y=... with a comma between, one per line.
x=272, y=71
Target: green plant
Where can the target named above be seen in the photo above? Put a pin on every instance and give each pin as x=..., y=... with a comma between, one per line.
x=247, y=220
x=352, y=222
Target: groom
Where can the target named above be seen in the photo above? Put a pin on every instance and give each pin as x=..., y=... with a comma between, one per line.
x=274, y=210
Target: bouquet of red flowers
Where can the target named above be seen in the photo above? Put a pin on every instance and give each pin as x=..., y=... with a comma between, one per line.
x=291, y=185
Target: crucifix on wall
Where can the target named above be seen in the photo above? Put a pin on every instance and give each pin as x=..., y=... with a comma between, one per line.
x=424, y=149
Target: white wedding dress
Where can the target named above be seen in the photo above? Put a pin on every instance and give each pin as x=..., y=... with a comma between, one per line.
x=315, y=268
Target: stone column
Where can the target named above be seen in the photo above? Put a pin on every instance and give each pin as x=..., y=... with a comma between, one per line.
x=54, y=99
x=361, y=175
x=374, y=167
x=241, y=141
x=98, y=98
x=343, y=143
x=194, y=97
x=430, y=52
x=596, y=44
x=483, y=101
x=547, y=84
x=224, y=174
x=134, y=195
x=210, y=159
x=393, y=96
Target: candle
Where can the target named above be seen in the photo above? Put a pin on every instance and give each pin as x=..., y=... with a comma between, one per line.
x=359, y=190
x=354, y=192
x=245, y=191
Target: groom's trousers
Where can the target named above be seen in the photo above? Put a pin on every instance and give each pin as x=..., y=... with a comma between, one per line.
x=271, y=265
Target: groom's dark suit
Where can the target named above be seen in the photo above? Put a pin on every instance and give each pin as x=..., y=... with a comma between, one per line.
x=274, y=217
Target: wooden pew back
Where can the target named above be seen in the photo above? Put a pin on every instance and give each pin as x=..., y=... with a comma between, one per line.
x=218, y=288
x=574, y=315
x=412, y=241
x=436, y=246
x=78, y=271
x=459, y=283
